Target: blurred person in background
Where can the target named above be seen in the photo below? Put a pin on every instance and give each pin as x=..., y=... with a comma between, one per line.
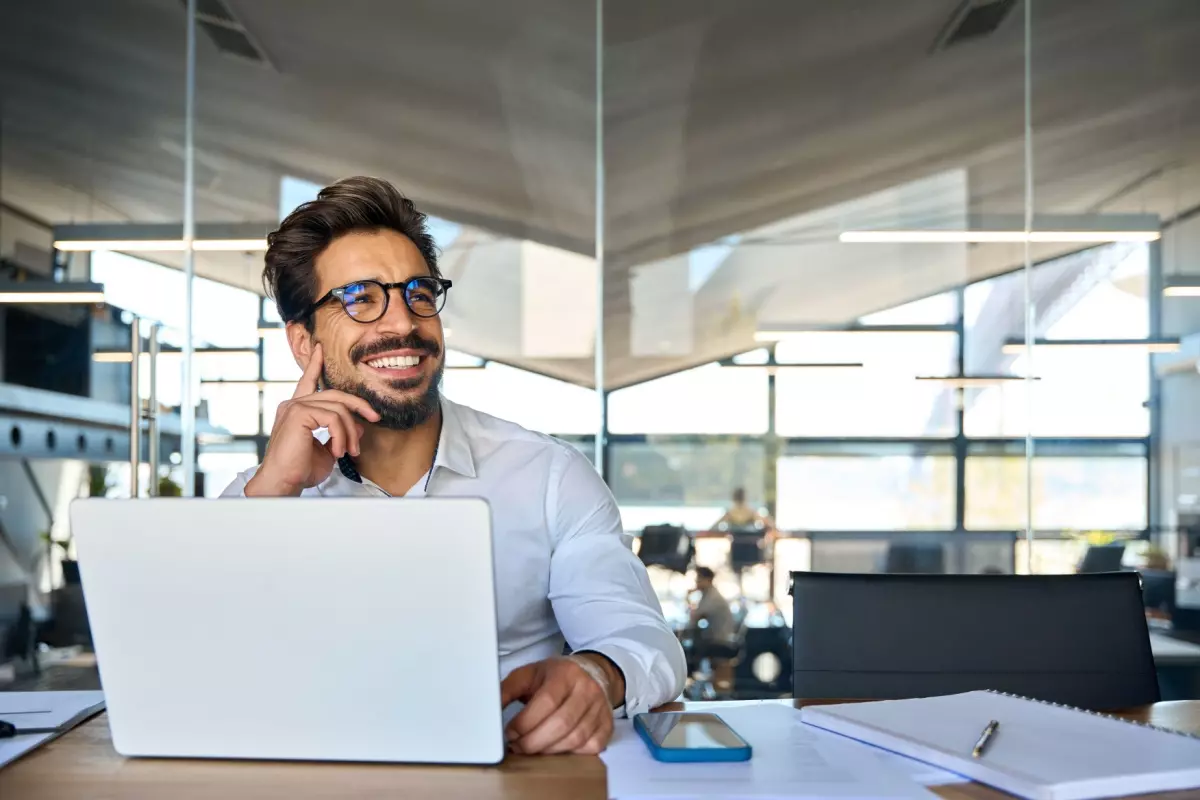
x=711, y=623
x=743, y=517
x=741, y=514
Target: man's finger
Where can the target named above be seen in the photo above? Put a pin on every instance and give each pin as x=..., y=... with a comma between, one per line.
x=599, y=741
x=519, y=685
x=312, y=373
x=353, y=402
x=551, y=714
x=349, y=429
x=313, y=416
x=585, y=728
x=568, y=728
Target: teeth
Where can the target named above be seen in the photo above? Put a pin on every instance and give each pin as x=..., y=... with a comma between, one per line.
x=395, y=362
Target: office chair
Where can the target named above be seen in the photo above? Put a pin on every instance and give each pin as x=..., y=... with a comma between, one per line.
x=667, y=546
x=912, y=558
x=747, y=550
x=764, y=667
x=1081, y=640
x=719, y=680
x=1102, y=558
x=1158, y=591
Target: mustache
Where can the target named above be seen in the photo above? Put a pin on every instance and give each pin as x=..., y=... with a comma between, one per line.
x=387, y=343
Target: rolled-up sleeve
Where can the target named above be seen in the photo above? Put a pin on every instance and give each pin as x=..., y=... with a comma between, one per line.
x=600, y=592
x=238, y=487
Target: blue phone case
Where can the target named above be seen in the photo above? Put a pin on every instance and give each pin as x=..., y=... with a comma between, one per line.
x=680, y=755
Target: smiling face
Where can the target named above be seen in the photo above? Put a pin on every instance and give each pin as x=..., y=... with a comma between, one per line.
x=395, y=362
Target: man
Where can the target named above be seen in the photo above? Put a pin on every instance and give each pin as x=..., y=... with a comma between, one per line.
x=741, y=514
x=355, y=277
x=713, y=609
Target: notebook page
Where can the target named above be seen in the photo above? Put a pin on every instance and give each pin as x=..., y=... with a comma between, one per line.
x=47, y=709
x=1037, y=743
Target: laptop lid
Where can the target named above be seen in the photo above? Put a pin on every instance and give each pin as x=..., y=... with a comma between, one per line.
x=345, y=629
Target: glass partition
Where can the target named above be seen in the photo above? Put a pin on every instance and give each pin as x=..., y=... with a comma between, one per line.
x=919, y=279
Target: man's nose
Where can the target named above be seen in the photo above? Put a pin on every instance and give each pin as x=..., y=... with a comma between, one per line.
x=398, y=319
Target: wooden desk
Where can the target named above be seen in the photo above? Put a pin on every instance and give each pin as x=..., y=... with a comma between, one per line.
x=83, y=764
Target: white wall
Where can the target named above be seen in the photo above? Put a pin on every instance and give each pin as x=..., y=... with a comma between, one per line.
x=28, y=243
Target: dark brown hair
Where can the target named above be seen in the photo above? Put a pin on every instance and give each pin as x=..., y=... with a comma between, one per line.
x=350, y=205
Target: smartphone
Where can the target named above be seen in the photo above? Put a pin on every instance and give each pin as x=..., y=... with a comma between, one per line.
x=687, y=736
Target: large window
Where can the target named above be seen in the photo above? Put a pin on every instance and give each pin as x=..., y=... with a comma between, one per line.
x=868, y=490
x=222, y=316
x=939, y=309
x=882, y=397
x=278, y=362
x=533, y=401
x=863, y=446
x=708, y=399
x=1078, y=493
x=686, y=483
x=1083, y=391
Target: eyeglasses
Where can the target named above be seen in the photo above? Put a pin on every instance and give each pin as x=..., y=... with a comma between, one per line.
x=367, y=301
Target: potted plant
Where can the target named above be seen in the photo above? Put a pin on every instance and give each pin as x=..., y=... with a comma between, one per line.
x=98, y=484
x=70, y=567
x=168, y=487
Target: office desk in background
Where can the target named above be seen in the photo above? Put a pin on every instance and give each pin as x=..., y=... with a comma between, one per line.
x=1173, y=652
x=1177, y=663
x=83, y=764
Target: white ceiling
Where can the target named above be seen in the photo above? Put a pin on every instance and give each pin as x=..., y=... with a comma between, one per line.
x=722, y=117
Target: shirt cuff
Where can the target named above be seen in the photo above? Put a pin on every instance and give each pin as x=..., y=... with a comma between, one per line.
x=630, y=670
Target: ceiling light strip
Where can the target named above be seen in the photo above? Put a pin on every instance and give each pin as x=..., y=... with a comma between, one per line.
x=993, y=237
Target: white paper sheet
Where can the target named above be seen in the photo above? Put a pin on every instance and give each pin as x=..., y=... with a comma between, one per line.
x=790, y=760
x=922, y=773
x=43, y=710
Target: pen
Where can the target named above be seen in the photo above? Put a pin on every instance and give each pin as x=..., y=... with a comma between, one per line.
x=984, y=738
x=9, y=730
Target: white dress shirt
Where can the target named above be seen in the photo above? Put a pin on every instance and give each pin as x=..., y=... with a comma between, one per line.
x=563, y=571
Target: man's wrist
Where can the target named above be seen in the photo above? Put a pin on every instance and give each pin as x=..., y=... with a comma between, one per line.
x=258, y=486
x=604, y=672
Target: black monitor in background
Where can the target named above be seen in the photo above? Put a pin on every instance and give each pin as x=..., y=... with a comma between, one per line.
x=913, y=558
x=17, y=639
x=47, y=348
x=1102, y=558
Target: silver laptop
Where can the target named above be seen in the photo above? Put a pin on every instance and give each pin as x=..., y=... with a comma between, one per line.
x=342, y=629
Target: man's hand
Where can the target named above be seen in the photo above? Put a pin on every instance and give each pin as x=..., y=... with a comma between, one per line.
x=568, y=705
x=295, y=460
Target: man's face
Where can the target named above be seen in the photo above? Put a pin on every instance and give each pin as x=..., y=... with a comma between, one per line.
x=367, y=359
x=702, y=583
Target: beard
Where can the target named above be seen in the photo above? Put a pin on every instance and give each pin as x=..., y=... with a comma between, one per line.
x=395, y=413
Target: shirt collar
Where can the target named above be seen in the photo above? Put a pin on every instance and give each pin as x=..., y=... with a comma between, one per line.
x=453, y=451
x=454, y=446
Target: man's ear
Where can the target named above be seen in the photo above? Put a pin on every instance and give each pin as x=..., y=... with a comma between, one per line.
x=301, y=342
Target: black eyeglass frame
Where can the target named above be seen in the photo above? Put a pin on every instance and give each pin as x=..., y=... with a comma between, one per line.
x=339, y=293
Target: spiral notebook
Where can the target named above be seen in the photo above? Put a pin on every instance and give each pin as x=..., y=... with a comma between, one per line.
x=1040, y=750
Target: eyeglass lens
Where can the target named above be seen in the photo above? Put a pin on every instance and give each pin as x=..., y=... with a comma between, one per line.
x=367, y=301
